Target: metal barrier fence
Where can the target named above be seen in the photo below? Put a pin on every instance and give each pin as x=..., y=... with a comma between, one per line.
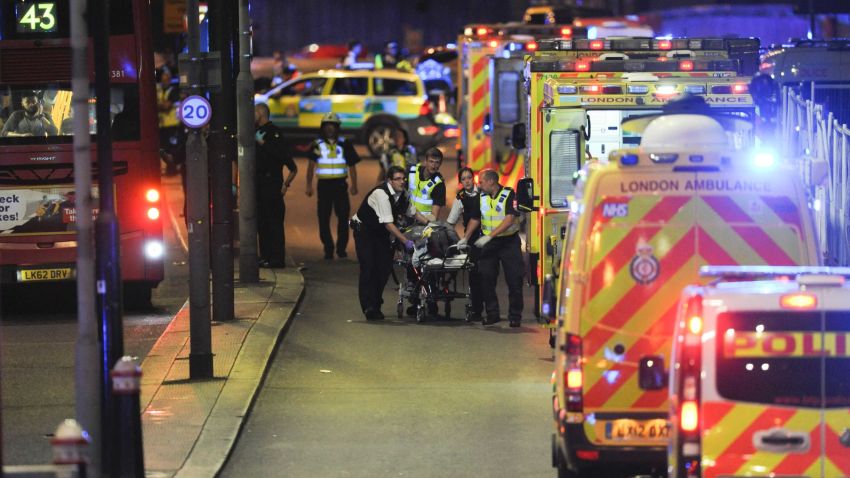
x=820, y=145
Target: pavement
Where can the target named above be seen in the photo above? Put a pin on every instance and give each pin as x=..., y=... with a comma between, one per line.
x=189, y=426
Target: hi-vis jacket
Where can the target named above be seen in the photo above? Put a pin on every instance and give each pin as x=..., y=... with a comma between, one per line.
x=421, y=189
x=331, y=162
x=493, y=212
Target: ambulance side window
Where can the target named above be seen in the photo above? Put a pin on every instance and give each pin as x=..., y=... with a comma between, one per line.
x=566, y=265
x=564, y=161
x=507, y=107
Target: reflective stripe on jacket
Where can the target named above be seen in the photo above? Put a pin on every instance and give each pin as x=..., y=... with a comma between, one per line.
x=331, y=162
x=421, y=189
x=493, y=213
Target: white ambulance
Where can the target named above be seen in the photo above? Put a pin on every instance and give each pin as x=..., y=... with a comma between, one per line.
x=760, y=374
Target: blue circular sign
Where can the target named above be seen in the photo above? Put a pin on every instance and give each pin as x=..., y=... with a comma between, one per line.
x=195, y=111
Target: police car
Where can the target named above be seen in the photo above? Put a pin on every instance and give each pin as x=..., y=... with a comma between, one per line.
x=759, y=377
x=371, y=105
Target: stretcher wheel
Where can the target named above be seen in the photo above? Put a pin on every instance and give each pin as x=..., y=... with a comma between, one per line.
x=420, y=314
x=448, y=310
x=399, y=309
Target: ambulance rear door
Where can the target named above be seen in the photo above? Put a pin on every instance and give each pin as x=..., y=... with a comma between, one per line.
x=640, y=254
x=509, y=107
x=606, y=135
x=563, y=156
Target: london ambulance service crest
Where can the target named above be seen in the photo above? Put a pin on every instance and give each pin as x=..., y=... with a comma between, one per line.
x=644, y=266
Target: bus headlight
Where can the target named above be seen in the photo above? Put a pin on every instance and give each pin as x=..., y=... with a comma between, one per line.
x=154, y=250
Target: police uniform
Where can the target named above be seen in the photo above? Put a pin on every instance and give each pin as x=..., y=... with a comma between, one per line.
x=373, y=242
x=271, y=157
x=504, y=249
x=333, y=158
x=465, y=207
x=171, y=135
x=425, y=192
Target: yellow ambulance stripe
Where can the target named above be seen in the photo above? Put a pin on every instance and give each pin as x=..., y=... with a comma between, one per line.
x=718, y=438
x=802, y=421
x=773, y=225
x=727, y=238
x=622, y=280
x=638, y=208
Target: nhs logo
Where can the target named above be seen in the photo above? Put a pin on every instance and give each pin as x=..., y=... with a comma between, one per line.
x=615, y=209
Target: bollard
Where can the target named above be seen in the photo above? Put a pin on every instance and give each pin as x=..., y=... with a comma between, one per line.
x=126, y=384
x=70, y=449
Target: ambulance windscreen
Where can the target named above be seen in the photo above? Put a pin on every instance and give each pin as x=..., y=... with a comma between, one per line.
x=784, y=358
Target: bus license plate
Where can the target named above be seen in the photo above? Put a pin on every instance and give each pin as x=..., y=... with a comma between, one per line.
x=53, y=274
x=627, y=429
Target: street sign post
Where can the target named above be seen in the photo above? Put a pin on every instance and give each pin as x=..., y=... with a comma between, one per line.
x=195, y=111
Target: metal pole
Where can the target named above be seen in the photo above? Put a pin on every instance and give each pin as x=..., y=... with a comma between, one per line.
x=197, y=197
x=106, y=235
x=126, y=385
x=87, y=366
x=223, y=150
x=248, y=268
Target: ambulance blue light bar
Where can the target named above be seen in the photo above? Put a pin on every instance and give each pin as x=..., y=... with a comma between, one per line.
x=555, y=64
x=767, y=272
x=650, y=44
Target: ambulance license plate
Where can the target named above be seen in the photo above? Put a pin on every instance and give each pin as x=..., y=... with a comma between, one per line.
x=51, y=274
x=628, y=429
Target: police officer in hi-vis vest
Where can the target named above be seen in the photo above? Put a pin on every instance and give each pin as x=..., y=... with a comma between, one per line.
x=333, y=160
x=500, y=244
x=428, y=194
x=375, y=225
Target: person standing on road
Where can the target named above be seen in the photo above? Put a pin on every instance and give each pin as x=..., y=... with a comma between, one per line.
x=375, y=224
x=465, y=207
x=333, y=161
x=272, y=156
x=499, y=244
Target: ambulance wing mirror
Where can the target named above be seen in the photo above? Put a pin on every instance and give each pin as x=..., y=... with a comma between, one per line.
x=525, y=195
x=651, y=373
x=518, y=136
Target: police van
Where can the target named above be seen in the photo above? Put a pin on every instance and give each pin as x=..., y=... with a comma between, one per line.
x=639, y=229
x=758, y=383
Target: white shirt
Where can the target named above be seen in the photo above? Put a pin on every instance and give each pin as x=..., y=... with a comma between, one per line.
x=457, y=208
x=380, y=202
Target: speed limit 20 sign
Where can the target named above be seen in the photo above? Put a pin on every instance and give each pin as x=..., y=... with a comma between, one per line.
x=195, y=111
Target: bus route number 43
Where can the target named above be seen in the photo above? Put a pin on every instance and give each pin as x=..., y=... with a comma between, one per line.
x=36, y=16
x=195, y=111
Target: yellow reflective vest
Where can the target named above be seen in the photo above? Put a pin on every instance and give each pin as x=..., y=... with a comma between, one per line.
x=421, y=189
x=168, y=118
x=331, y=162
x=493, y=212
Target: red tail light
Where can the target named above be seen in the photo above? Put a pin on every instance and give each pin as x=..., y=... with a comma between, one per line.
x=686, y=65
x=153, y=214
x=566, y=31
x=575, y=379
x=152, y=195
x=582, y=66
x=597, y=44
x=574, y=376
x=665, y=44
x=587, y=455
x=426, y=109
x=494, y=43
x=531, y=46
x=689, y=417
x=481, y=31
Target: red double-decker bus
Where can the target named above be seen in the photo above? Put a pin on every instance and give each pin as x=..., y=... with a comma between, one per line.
x=37, y=197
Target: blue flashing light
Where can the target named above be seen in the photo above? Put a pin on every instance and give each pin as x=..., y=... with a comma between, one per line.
x=591, y=33
x=696, y=158
x=546, y=308
x=764, y=159
x=629, y=159
x=486, y=127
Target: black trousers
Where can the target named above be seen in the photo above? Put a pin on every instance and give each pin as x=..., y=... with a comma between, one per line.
x=333, y=195
x=375, y=254
x=507, y=252
x=271, y=211
x=476, y=300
